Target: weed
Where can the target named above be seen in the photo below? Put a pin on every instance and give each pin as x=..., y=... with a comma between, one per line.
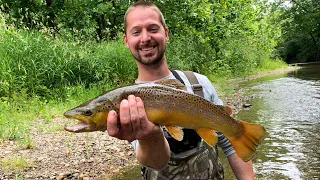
x=26, y=141
x=15, y=163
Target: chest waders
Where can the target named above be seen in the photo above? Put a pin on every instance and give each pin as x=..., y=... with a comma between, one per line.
x=202, y=164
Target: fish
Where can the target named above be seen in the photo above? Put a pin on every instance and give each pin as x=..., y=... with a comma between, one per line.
x=170, y=105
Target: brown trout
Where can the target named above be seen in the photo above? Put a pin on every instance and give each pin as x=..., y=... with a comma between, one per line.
x=167, y=103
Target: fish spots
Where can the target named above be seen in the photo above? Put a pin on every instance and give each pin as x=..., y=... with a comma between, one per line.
x=104, y=106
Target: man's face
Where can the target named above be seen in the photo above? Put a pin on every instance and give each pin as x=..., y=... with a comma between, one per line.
x=145, y=36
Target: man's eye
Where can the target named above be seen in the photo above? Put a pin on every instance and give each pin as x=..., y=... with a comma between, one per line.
x=135, y=32
x=154, y=29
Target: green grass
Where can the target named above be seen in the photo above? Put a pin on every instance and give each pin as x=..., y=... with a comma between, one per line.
x=15, y=163
x=45, y=66
x=272, y=64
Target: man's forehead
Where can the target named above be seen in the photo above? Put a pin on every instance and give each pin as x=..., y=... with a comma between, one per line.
x=140, y=14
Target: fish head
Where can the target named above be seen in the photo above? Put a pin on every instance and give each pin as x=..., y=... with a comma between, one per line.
x=92, y=116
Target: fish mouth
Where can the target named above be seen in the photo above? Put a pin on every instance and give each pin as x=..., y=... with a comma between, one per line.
x=80, y=127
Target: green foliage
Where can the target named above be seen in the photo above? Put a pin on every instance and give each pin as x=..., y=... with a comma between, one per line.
x=39, y=64
x=300, y=39
x=188, y=53
x=83, y=20
x=14, y=117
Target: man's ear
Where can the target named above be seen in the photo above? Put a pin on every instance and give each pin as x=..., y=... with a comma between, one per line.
x=167, y=33
x=125, y=40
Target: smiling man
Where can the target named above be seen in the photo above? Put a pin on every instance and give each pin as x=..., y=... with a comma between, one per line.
x=146, y=37
x=161, y=157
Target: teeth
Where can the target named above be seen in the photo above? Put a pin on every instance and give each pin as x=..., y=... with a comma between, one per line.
x=146, y=49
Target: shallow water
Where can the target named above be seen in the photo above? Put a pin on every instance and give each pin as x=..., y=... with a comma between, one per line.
x=288, y=106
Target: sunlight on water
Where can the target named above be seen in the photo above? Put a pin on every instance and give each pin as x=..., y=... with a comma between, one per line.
x=289, y=108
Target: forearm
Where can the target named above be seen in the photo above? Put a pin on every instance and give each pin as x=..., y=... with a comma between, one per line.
x=242, y=170
x=153, y=151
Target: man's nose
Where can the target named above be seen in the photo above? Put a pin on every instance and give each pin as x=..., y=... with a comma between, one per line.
x=145, y=36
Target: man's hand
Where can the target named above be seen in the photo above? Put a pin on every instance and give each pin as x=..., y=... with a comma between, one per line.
x=153, y=149
x=134, y=123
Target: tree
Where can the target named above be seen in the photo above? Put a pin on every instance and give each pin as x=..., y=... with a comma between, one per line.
x=301, y=31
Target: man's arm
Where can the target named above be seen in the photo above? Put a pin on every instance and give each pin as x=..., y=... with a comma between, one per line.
x=153, y=149
x=242, y=170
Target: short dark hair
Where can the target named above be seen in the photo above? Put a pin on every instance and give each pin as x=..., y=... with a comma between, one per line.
x=144, y=4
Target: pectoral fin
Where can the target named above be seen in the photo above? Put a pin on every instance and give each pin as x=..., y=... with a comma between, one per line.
x=208, y=135
x=175, y=132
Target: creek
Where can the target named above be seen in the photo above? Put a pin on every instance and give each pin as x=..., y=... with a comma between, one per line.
x=288, y=106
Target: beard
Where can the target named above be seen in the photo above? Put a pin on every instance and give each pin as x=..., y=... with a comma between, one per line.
x=152, y=61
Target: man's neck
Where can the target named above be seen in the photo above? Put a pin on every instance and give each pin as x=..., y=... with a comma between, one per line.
x=152, y=73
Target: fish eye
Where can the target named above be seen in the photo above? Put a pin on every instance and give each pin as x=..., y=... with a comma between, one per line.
x=87, y=112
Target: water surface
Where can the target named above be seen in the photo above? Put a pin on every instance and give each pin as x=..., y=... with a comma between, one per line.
x=288, y=106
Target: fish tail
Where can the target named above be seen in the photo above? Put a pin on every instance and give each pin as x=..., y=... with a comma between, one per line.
x=245, y=144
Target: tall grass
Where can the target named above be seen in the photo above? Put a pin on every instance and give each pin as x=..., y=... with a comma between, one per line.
x=32, y=61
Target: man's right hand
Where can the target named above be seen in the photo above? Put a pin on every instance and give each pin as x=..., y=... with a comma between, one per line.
x=134, y=123
x=153, y=149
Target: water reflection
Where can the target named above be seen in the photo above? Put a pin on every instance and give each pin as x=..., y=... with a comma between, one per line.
x=289, y=108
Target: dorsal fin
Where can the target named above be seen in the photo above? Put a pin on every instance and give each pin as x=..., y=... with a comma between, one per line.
x=172, y=83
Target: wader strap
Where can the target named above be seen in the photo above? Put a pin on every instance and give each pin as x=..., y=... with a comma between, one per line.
x=177, y=76
x=196, y=87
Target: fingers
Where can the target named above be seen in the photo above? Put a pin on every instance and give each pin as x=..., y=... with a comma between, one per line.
x=147, y=127
x=140, y=107
x=112, y=124
x=133, y=120
x=135, y=117
x=125, y=117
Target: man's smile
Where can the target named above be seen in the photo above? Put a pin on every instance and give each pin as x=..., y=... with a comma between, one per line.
x=147, y=48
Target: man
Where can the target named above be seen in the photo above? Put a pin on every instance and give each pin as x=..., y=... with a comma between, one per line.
x=146, y=36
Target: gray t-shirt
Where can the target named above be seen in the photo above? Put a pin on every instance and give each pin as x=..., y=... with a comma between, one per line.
x=210, y=94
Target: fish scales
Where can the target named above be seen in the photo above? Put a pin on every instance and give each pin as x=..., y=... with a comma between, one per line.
x=168, y=103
